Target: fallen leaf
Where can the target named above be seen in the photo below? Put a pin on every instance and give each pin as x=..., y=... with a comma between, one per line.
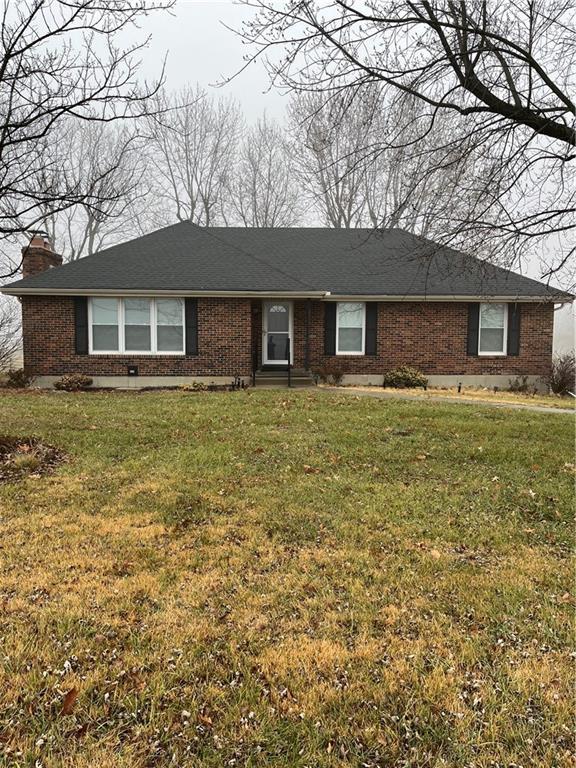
x=69, y=701
x=205, y=720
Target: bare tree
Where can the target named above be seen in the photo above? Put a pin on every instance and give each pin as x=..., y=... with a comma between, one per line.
x=342, y=164
x=193, y=141
x=425, y=183
x=105, y=162
x=337, y=159
x=357, y=180
x=9, y=332
x=327, y=140
x=263, y=189
x=505, y=71
x=60, y=59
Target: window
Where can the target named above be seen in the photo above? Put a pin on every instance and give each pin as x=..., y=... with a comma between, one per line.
x=350, y=325
x=492, y=336
x=169, y=326
x=105, y=325
x=137, y=335
x=136, y=326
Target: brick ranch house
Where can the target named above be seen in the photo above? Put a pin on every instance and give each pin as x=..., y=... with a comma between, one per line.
x=189, y=303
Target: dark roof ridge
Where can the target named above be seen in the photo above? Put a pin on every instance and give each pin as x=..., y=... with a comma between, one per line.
x=483, y=262
x=258, y=259
x=105, y=251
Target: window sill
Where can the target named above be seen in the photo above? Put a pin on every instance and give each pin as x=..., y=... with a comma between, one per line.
x=350, y=354
x=137, y=354
x=492, y=354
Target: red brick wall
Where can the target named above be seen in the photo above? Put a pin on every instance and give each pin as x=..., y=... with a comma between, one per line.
x=430, y=336
x=36, y=260
x=433, y=338
x=224, y=342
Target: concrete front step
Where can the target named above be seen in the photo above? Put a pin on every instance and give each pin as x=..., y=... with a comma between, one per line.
x=265, y=372
x=276, y=378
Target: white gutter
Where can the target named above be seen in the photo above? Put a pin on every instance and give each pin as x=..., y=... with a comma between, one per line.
x=144, y=292
x=322, y=295
x=487, y=297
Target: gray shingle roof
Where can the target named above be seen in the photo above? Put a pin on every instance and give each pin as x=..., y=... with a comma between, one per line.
x=188, y=258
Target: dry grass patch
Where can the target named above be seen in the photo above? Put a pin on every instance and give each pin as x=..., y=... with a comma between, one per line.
x=22, y=456
x=470, y=394
x=286, y=579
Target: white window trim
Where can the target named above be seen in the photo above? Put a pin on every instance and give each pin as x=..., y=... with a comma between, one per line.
x=153, y=352
x=504, y=352
x=345, y=353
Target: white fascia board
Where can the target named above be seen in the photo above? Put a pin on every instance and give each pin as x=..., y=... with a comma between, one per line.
x=322, y=295
x=425, y=298
x=145, y=292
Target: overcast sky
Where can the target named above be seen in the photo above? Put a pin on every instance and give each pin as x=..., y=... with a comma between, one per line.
x=200, y=49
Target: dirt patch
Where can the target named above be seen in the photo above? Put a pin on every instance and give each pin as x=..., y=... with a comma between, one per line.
x=26, y=456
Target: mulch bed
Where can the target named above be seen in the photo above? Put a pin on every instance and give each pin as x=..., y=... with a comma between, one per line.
x=26, y=457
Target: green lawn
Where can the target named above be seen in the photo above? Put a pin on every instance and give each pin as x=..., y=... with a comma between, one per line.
x=286, y=579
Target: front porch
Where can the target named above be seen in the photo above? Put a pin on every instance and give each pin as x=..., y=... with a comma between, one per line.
x=281, y=342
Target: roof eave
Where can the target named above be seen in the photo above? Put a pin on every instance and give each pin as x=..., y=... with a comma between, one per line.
x=561, y=298
x=552, y=298
x=157, y=292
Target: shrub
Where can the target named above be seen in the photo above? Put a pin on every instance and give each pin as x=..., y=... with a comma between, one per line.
x=73, y=382
x=18, y=379
x=329, y=374
x=404, y=378
x=562, y=378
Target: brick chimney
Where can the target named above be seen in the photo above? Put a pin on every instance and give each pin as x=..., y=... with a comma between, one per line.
x=38, y=255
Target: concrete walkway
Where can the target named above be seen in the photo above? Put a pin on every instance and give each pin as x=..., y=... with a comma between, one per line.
x=440, y=399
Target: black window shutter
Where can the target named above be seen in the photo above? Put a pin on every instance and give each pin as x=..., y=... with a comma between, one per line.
x=81, y=325
x=191, y=312
x=514, y=329
x=473, y=328
x=330, y=328
x=371, y=327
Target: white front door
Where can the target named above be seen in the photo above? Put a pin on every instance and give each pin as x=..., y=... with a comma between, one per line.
x=276, y=332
